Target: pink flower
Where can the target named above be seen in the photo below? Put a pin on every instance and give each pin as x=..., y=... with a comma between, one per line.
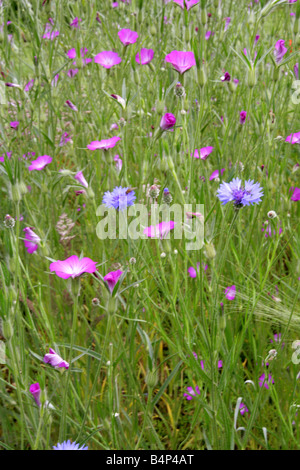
x=144, y=56
x=160, y=230
x=192, y=271
x=243, y=409
x=293, y=138
x=215, y=174
x=181, y=61
x=81, y=179
x=230, y=292
x=264, y=382
x=112, y=278
x=73, y=267
x=40, y=163
x=191, y=392
x=55, y=360
x=31, y=240
x=120, y=100
x=204, y=153
x=118, y=163
x=296, y=194
x=103, y=144
x=243, y=116
x=35, y=390
x=167, y=121
x=71, y=105
x=14, y=124
x=279, y=51
x=127, y=36
x=75, y=23
x=186, y=3
x=29, y=85
x=107, y=59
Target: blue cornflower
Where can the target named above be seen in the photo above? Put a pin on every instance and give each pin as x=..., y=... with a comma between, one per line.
x=240, y=195
x=68, y=445
x=119, y=198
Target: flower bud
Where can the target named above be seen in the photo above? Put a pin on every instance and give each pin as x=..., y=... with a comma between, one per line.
x=154, y=191
x=7, y=329
x=251, y=77
x=272, y=214
x=95, y=302
x=151, y=379
x=167, y=197
x=9, y=221
x=210, y=251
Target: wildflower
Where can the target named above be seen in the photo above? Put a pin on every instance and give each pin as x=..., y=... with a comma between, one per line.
x=265, y=381
x=81, y=179
x=107, y=59
x=226, y=77
x=127, y=36
x=29, y=85
x=31, y=240
x=279, y=51
x=167, y=121
x=145, y=56
x=112, y=278
x=9, y=221
x=160, y=230
x=73, y=267
x=68, y=445
x=179, y=90
x=40, y=163
x=188, y=4
x=192, y=271
x=230, y=292
x=14, y=124
x=266, y=227
x=35, y=390
x=71, y=105
x=55, y=360
x=167, y=197
x=220, y=362
x=296, y=194
x=181, y=61
x=243, y=409
x=240, y=195
x=163, y=255
x=191, y=392
x=75, y=23
x=118, y=163
x=215, y=174
x=104, y=144
x=64, y=139
x=227, y=22
x=293, y=138
x=119, y=198
x=55, y=80
x=296, y=71
x=204, y=153
x=243, y=116
x=154, y=191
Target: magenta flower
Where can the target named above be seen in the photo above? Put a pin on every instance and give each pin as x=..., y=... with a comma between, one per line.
x=55, y=360
x=73, y=267
x=296, y=71
x=191, y=392
x=296, y=194
x=227, y=22
x=266, y=227
x=160, y=230
x=186, y=3
x=12, y=85
x=120, y=100
x=293, y=138
x=107, y=59
x=81, y=179
x=279, y=51
x=226, y=77
x=31, y=240
x=29, y=85
x=71, y=105
x=55, y=80
x=204, y=153
x=208, y=34
x=103, y=144
x=181, y=61
x=167, y=121
x=35, y=390
x=40, y=163
x=75, y=23
x=145, y=56
x=264, y=382
x=64, y=139
x=112, y=278
x=230, y=292
x=127, y=36
x=243, y=116
x=220, y=363
x=192, y=271
x=14, y=124
x=118, y=163
x=243, y=409
x=215, y=174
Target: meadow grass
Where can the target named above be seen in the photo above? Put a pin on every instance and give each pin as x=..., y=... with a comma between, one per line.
x=134, y=352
